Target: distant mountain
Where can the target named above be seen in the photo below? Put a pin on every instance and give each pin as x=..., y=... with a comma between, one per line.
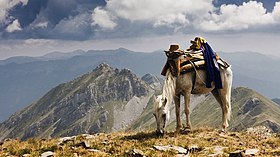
x=25, y=79
x=19, y=60
x=276, y=100
x=23, y=83
x=103, y=100
x=47, y=57
x=256, y=71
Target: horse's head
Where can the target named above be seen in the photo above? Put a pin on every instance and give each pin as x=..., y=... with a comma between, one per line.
x=161, y=113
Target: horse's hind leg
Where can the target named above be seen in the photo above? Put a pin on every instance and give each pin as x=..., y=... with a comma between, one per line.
x=177, y=110
x=187, y=110
x=224, y=102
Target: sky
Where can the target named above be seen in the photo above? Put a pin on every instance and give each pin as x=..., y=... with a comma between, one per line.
x=37, y=27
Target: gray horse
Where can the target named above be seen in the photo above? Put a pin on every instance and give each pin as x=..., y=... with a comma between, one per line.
x=186, y=84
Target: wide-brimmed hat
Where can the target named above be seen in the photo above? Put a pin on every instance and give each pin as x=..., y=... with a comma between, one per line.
x=173, y=48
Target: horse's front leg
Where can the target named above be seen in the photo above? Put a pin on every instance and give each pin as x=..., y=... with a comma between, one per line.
x=187, y=110
x=177, y=110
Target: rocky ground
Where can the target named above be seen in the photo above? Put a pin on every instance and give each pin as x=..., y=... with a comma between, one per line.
x=198, y=142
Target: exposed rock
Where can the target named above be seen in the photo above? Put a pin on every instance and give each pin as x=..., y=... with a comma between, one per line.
x=152, y=80
x=64, y=140
x=87, y=144
x=178, y=149
x=217, y=150
x=135, y=153
x=48, y=154
x=252, y=152
x=93, y=150
x=243, y=153
x=250, y=105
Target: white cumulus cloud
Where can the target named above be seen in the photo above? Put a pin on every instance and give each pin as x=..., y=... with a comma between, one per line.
x=6, y=5
x=14, y=26
x=276, y=12
x=200, y=14
x=156, y=12
x=233, y=17
x=103, y=18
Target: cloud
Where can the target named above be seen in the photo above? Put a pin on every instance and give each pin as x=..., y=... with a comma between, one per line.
x=155, y=12
x=170, y=20
x=14, y=26
x=37, y=42
x=276, y=12
x=41, y=25
x=84, y=20
x=233, y=17
x=6, y=5
x=103, y=19
x=51, y=19
x=200, y=15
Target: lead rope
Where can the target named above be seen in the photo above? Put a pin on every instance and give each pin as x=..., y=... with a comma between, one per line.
x=197, y=72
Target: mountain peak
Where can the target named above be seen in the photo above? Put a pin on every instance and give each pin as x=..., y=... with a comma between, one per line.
x=103, y=67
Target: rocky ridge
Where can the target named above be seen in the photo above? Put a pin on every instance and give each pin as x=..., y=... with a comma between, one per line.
x=86, y=104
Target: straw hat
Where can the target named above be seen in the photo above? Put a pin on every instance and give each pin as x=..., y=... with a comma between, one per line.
x=173, y=48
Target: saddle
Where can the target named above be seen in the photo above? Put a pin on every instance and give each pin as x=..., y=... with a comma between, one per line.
x=180, y=61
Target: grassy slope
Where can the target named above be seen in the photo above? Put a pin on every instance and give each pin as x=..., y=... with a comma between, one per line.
x=211, y=111
x=119, y=144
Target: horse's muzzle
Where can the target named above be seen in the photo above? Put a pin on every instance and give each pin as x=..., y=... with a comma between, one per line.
x=159, y=133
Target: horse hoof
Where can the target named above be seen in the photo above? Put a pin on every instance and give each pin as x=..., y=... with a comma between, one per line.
x=185, y=130
x=223, y=131
x=159, y=133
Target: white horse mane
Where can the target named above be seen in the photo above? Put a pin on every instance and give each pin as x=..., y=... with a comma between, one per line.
x=168, y=90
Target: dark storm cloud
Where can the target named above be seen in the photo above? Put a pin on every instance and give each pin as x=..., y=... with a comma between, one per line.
x=55, y=19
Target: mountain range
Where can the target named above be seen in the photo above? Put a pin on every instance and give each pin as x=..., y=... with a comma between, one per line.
x=24, y=80
x=109, y=99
